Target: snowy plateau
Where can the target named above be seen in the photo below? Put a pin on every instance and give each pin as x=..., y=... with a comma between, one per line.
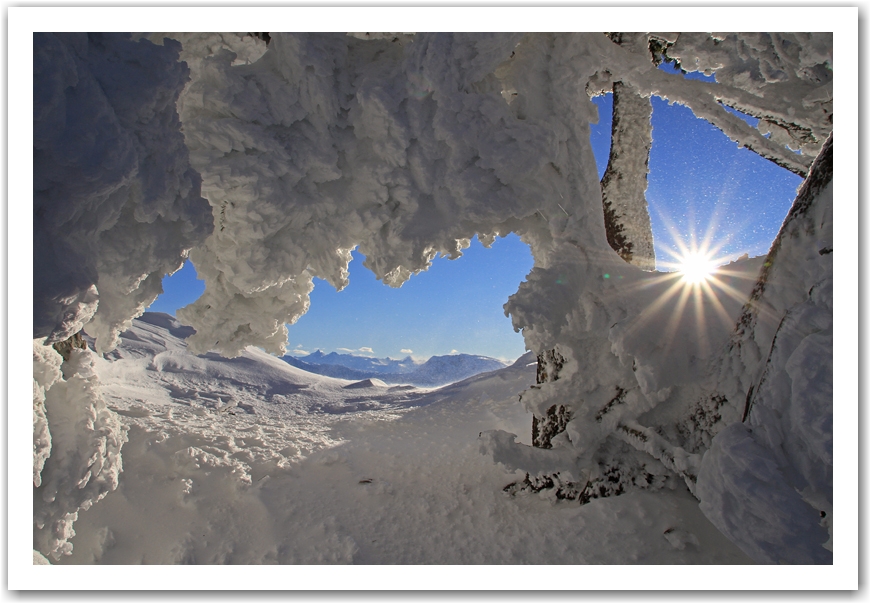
x=653, y=421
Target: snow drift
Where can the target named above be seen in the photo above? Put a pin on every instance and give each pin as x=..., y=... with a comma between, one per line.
x=249, y=460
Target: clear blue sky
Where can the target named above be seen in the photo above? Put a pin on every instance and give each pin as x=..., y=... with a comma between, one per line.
x=698, y=178
x=455, y=305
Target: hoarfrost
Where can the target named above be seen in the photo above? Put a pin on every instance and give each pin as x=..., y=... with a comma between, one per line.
x=311, y=145
x=85, y=446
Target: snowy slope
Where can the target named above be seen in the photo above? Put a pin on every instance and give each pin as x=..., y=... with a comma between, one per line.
x=152, y=379
x=252, y=461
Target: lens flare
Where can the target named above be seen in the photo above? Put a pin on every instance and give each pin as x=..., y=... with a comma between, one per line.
x=696, y=267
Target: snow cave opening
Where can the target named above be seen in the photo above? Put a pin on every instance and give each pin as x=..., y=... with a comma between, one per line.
x=454, y=306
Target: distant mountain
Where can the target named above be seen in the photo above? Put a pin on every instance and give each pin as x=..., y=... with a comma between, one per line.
x=364, y=363
x=435, y=372
x=331, y=370
x=440, y=370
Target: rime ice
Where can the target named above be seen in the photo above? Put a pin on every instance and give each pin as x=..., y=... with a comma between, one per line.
x=407, y=147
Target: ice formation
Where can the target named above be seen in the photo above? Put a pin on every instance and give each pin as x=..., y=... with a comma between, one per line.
x=623, y=186
x=78, y=460
x=116, y=204
x=311, y=145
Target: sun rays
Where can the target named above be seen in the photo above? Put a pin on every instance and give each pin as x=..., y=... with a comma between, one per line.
x=695, y=295
x=696, y=268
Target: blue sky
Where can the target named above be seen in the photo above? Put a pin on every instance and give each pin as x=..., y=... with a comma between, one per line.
x=456, y=305
x=700, y=184
x=700, y=181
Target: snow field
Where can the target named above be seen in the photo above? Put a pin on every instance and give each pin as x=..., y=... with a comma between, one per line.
x=404, y=485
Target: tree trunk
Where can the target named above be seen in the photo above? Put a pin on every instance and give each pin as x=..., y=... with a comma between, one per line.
x=623, y=188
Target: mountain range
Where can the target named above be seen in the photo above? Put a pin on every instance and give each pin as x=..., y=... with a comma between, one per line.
x=435, y=372
x=364, y=363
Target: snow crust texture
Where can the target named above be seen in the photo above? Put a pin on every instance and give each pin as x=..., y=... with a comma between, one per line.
x=405, y=147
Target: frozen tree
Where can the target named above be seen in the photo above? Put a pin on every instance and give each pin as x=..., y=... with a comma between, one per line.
x=116, y=207
x=623, y=187
x=406, y=147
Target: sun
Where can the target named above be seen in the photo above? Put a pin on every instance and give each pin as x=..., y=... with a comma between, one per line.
x=696, y=267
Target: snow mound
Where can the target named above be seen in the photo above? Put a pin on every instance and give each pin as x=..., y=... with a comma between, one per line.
x=367, y=384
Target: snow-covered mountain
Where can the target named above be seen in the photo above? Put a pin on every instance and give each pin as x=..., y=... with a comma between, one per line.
x=363, y=363
x=440, y=370
x=435, y=372
x=250, y=460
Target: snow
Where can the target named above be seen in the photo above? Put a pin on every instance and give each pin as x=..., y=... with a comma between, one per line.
x=85, y=441
x=366, y=384
x=793, y=67
x=407, y=147
x=782, y=351
x=737, y=473
x=623, y=186
x=321, y=481
x=116, y=203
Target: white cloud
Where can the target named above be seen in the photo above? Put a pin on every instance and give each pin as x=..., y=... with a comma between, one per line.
x=406, y=351
x=345, y=350
x=367, y=350
x=298, y=352
x=454, y=351
x=298, y=346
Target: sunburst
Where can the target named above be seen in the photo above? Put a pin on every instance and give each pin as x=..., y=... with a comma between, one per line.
x=695, y=285
x=696, y=267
